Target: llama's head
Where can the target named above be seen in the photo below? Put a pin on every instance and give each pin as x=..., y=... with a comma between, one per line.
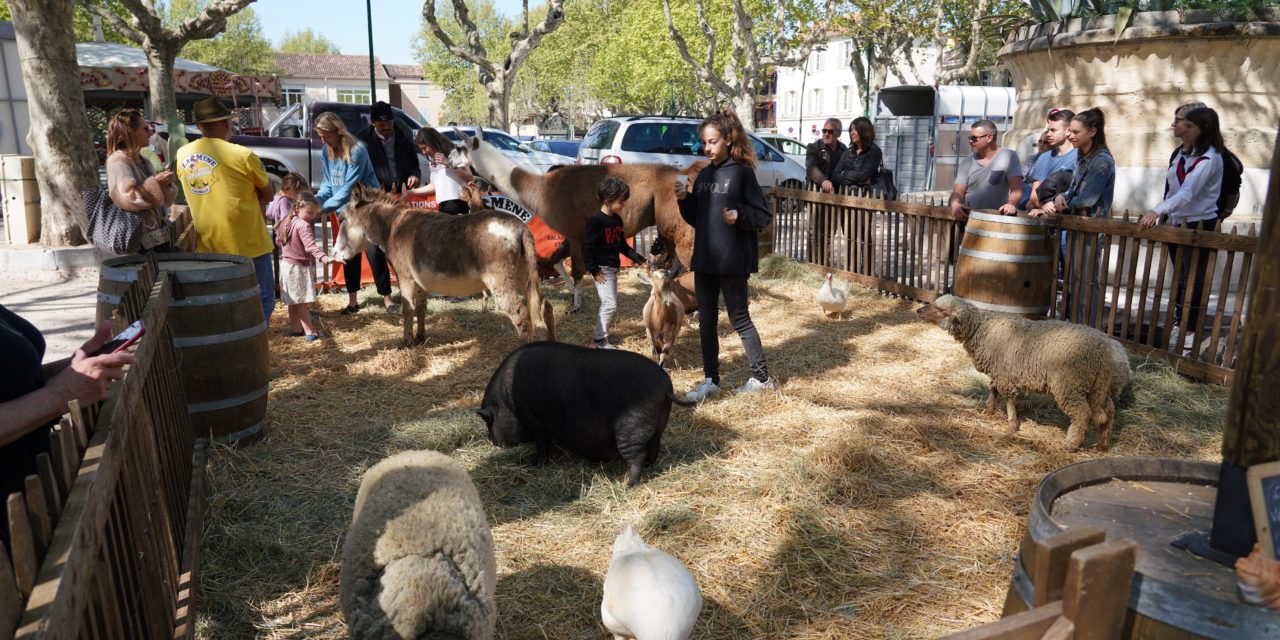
x=486, y=160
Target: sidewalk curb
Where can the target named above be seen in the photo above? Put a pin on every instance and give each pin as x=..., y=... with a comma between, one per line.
x=34, y=259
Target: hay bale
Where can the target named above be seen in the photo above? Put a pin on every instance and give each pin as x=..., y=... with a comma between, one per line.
x=418, y=560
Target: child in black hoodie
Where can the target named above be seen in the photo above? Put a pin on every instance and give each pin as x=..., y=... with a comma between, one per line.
x=727, y=210
x=602, y=242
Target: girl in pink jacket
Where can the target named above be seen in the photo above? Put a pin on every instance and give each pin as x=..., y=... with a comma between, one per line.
x=298, y=255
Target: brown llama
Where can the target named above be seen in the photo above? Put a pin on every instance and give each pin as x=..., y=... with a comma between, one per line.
x=565, y=197
x=447, y=255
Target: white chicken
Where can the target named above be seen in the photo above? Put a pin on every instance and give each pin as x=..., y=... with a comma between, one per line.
x=648, y=594
x=832, y=300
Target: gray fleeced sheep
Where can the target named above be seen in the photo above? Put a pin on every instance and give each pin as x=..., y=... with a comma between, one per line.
x=418, y=560
x=1082, y=368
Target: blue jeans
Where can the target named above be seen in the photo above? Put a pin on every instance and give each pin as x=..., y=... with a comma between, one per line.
x=265, y=272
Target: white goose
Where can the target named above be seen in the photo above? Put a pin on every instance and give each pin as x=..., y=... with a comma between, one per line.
x=832, y=300
x=648, y=594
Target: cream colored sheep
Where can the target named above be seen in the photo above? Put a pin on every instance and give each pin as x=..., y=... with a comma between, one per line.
x=1082, y=368
x=418, y=560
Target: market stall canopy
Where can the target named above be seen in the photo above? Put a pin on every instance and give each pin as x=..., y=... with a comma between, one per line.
x=111, y=67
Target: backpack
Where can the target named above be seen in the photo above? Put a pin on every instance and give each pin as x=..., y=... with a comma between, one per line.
x=1232, y=172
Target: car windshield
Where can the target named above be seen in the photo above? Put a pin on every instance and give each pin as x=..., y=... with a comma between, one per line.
x=677, y=138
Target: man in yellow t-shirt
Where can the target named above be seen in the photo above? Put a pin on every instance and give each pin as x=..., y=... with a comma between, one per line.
x=227, y=189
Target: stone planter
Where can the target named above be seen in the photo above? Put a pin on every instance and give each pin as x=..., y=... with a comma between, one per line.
x=1162, y=60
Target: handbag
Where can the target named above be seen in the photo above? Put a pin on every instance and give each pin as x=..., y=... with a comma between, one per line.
x=884, y=184
x=109, y=227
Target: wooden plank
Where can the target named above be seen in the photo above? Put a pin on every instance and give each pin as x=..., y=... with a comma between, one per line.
x=1157, y=297
x=1096, y=595
x=1178, y=263
x=1122, y=247
x=1100, y=276
x=1051, y=558
x=189, y=580
x=1237, y=319
x=1220, y=312
x=1135, y=246
x=1206, y=371
x=44, y=469
x=1181, y=236
x=1061, y=629
x=1202, y=305
x=1029, y=625
x=22, y=545
x=38, y=515
x=1139, y=324
x=10, y=597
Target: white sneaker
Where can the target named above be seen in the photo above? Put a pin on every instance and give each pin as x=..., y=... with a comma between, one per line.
x=700, y=393
x=754, y=385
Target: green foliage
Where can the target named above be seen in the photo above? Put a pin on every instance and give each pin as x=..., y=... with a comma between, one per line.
x=83, y=23
x=306, y=41
x=240, y=48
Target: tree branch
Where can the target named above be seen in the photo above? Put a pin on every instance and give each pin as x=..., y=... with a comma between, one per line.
x=475, y=53
x=975, y=43
x=802, y=53
x=210, y=22
x=117, y=23
x=702, y=71
x=522, y=47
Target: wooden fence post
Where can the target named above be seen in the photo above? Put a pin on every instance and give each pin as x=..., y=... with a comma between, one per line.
x=1252, y=434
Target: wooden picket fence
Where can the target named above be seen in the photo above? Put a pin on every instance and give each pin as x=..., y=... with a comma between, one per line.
x=104, y=541
x=907, y=248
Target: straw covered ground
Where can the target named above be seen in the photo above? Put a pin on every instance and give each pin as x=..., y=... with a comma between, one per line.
x=871, y=498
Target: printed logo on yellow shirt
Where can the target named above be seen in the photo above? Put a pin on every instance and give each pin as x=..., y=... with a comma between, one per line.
x=198, y=170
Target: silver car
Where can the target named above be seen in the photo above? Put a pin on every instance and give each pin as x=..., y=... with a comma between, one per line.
x=674, y=141
x=789, y=146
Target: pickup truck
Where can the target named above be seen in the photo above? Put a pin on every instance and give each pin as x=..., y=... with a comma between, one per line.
x=292, y=145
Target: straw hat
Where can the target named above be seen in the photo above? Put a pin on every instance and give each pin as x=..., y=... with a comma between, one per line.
x=210, y=109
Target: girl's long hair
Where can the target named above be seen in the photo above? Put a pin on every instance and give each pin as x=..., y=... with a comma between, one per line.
x=120, y=132
x=727, y=123
x=1206, y=120
x=1093, y=119
x=433, y=139
x=866, y=132
x=303, y=199
x=329, y=121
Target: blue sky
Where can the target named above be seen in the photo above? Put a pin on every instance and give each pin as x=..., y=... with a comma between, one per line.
x=395, y=23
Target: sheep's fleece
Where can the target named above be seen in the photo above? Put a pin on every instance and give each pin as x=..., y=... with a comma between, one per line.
x=418, y=560
x=1082, y=368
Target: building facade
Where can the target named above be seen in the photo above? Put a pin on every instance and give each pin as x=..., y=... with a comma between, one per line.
x=310, y=78
x=826, y=86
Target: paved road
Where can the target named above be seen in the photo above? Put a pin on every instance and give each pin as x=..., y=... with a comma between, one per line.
x=61, y=307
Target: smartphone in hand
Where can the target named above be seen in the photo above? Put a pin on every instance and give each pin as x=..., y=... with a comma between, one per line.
x=124, y=339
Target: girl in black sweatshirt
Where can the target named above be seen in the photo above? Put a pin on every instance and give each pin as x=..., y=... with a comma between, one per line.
x=727, y=211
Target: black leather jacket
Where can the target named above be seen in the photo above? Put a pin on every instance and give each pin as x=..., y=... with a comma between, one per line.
x=820, y=161
x=858, y=168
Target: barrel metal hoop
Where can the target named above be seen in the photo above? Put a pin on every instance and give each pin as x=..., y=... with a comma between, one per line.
x=986, y=217
x=1004, y=257
x=214, y=274
x=217, y=298
x=1002, y=308
x=243, y=433
x=1177, y=607
x=116, y=274
x=1003, y=235
x=226, y=403
x=220, y=338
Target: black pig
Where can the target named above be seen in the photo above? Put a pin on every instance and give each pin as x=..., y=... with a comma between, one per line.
x=600, y=404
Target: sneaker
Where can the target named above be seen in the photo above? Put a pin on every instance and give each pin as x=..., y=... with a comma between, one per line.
x=349, y=309
x=600, y=344
x=312, y=337
x=393, y=308
x=700, y=393
x=754, y=385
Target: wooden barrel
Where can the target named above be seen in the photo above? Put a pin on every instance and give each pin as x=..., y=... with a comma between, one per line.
x=217, y=322
x=1006, y=264
x=1152, y=501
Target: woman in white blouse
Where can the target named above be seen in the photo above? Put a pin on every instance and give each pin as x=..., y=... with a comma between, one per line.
x=1194, y=182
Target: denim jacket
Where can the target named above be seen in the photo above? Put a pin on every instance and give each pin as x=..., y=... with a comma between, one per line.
x=1093, y=185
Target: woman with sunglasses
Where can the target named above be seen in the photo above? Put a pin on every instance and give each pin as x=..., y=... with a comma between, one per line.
x=132, y=182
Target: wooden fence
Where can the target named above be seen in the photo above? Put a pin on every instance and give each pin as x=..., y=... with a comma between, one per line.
x=1116, y=276
x=104, y=541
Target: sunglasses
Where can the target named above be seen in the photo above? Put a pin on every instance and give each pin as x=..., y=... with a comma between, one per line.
x=831, y=131
x=977, y=138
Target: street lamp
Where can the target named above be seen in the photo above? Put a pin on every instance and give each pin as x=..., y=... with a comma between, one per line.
x=805, y=78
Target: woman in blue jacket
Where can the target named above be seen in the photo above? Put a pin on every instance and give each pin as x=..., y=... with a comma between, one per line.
x=727, y=210
x=344, y=164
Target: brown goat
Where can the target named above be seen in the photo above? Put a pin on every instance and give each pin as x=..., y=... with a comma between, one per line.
x=448, y=255
x=565, y=197
x=663, y=315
